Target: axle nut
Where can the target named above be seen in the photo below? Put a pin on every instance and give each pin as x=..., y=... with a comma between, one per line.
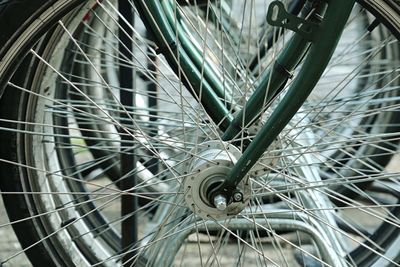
x=220, y=202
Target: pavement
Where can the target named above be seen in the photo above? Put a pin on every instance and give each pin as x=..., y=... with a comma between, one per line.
x=9, y=245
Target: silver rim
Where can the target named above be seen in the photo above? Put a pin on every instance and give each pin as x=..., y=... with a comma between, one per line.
x=72, y=128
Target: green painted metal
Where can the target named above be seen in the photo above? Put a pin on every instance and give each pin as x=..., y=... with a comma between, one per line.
x=153, y=13
x=221, y=89
x=273, y=80
x=207, y=86
x=315, y=62
x=220, y=12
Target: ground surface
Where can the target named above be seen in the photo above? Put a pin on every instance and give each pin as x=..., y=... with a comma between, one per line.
x=9, y=245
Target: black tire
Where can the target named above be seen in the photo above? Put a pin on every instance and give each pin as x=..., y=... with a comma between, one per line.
x=17, y=15
x=43, y=246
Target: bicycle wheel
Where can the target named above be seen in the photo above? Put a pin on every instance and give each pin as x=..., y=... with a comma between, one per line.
x=65, y=131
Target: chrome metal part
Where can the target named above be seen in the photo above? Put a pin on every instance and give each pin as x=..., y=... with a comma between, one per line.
x=237, y=196
x=280, y=17
x=213, y=162
x=220, y=202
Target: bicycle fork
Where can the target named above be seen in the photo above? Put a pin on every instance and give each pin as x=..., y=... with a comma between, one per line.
x=321, y=39
x=324, y=39
x=314, y=40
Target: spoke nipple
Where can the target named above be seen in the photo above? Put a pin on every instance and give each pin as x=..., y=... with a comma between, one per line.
x=220, y=202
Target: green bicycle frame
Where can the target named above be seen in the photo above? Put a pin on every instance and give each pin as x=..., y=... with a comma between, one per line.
x=325, y=41
x=185, y=59
x=315, y=45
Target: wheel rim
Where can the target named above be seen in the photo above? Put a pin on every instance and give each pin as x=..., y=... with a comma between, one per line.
x=179, y=131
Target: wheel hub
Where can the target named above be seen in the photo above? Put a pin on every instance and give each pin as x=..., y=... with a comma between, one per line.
x=213, y=161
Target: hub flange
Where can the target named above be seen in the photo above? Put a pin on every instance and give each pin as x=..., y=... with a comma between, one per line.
x=207, y=169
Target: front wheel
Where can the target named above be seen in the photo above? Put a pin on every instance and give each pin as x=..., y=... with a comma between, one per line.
x=65, y=129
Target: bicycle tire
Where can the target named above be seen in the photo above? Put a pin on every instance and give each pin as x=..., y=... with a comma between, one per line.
x=14, y=104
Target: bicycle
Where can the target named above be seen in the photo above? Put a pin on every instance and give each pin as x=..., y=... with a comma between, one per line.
x=208, y=132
